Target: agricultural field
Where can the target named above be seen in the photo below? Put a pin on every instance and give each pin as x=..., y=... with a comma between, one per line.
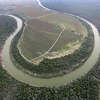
x=50, y=35
x=39, y=40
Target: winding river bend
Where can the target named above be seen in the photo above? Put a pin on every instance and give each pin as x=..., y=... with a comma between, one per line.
x=56, y=81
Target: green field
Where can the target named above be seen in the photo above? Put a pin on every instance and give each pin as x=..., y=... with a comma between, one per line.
x=68, y=21
x=38, y=38
x=41, y=33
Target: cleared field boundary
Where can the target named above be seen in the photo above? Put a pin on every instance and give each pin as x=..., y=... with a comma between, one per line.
x=42, y=16
x=44, y=54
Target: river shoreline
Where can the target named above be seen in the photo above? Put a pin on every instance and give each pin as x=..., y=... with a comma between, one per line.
x=66, y=79
x=17, y=58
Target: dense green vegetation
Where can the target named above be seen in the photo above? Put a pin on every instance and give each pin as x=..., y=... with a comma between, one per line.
x=69, y=62
x=83, y=89
x=7, y=84
x=7, y=26
x=96, y=70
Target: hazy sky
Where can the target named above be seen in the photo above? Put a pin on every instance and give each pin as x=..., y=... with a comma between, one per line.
x=28, y=1
x=15, y=1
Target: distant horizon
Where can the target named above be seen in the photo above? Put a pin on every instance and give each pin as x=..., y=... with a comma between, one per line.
x=28, y=1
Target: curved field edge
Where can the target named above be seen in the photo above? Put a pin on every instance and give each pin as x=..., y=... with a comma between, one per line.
x=39, y=40
x=56, y=67
x=68, y=50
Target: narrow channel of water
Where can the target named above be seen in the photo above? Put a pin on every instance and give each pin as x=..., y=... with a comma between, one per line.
x=56, y=81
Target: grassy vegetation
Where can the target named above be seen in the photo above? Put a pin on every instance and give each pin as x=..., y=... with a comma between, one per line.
x=41, y=33
x=68, y=21
x=59, y=66
x=68, y=37
x=38, y=38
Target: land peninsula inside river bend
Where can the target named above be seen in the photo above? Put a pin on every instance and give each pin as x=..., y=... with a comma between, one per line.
x=9, y=66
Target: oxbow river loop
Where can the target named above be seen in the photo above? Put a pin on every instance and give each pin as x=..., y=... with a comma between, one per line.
x=9, y=66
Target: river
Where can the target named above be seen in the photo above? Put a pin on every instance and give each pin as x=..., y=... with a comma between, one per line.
x=9, y=66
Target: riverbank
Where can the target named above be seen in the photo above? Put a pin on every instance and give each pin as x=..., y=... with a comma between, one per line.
x=55, y=67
